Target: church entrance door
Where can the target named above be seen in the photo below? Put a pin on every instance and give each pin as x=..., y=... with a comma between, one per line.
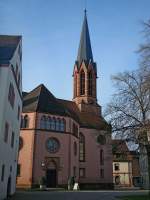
x=51, y=176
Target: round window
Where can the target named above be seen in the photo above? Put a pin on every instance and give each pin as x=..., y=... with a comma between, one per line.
x=52, y=145
x=75, y=148
x=101, y=139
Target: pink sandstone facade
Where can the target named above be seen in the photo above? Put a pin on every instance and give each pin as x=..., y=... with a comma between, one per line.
x=61, y=139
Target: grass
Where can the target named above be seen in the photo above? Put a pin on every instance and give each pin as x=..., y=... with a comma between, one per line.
x=137, y=197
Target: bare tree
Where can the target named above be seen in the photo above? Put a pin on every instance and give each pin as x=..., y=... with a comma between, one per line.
x=129, y=109
x=130, y=106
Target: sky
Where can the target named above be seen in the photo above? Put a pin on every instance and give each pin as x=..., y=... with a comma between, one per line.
x=51, y=30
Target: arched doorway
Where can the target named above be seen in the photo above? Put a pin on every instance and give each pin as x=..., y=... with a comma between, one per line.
x=9, y=187
x=51, y=175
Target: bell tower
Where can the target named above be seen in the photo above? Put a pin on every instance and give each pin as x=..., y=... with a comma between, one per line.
x=85, y=73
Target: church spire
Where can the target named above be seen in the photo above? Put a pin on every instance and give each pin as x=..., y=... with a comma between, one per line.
x=85, y=72
x=85, y=50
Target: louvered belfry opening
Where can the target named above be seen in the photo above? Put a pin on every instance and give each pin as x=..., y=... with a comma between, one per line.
x=85, y=71
x=82, y=83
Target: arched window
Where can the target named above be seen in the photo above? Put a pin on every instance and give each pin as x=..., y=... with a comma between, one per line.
x=117, y=180
x=57, y=124
x=62, y=125
x=90, y=85
x=20, y=143
x=22, y=122
x=53, y=124
x=101, y=157
x=82, y=83
x=117, y=166
x=49, y=123
x=26, y=121
x=82, y=147
x=75, y=130
x=75, y=148
x=43, y=122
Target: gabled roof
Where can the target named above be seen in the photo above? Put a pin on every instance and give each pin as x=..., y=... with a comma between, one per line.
x=119, y=147
x=8, y=45
x=85, y=50
x=42, y=100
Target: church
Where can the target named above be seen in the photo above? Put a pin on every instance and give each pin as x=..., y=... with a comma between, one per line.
x=60, y=138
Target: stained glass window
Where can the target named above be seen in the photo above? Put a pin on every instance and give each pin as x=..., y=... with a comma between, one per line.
x=52, y=145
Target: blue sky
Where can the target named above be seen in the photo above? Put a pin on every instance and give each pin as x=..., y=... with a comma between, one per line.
x=51, y=31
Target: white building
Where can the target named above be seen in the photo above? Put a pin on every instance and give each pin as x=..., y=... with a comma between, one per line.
x=122, y=164
x=122, y=173
x=10, y=109
x=126, y=170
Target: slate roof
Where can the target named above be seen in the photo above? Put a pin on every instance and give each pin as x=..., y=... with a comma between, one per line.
x=86, y=120
x=8, y=46
x=85, y=50
x=42, y=100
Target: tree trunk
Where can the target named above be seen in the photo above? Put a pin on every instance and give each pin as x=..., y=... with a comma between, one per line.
x=148, y=158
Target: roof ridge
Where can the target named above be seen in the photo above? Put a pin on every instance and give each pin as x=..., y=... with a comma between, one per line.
x=35, y=88
x=41, y=85
x=44, y=88
x=65, y=100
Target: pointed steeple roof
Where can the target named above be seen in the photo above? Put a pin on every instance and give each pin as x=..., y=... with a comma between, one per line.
x=85, y=50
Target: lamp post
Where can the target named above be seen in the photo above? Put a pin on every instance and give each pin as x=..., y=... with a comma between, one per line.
x=43, y=178
x=43, y=165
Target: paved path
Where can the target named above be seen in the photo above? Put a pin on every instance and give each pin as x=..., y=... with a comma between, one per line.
x=81, y=195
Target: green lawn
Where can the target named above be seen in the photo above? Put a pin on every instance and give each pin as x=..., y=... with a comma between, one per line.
x=137, y=197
